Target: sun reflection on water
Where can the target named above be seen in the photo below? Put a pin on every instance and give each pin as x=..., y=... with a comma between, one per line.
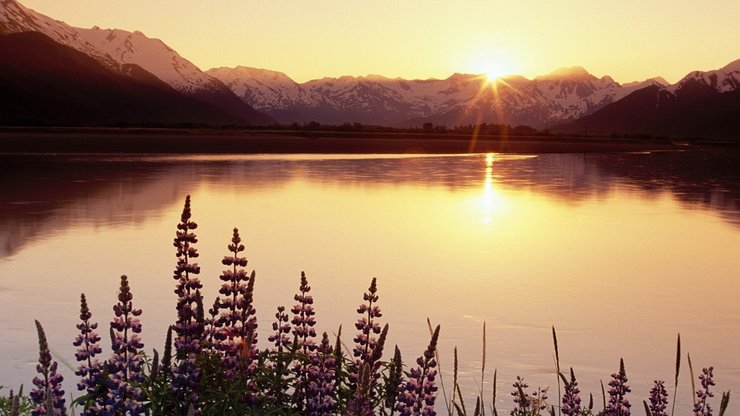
x=491, y=201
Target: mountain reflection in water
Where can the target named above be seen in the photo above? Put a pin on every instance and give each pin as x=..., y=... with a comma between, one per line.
x=45, y=194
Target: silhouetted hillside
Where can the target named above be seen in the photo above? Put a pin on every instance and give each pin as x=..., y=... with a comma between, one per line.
x=693, y=109
x=44, y=82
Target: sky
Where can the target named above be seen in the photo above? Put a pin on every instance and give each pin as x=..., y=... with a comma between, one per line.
x=309, y=39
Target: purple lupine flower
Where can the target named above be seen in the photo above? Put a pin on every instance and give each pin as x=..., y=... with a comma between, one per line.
x=618, y=405
x=363, y=373
x=280, y=361
x=539, y=401
x=186, y=374
x=367, y=375
x=522, y=400
x=419, y=392
x=365, y=340
x=280, y=338
x=48, y=395
x=701, y=405
x=303, y=317
x=303, y=330
x=211, y=328
x=237, y=322
x=124, y=396
x=658, y=399
x=321, y=380
x=90, y=370
x=571, y=397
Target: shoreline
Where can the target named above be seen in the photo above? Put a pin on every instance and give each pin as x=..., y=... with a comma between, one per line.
x=213, y=141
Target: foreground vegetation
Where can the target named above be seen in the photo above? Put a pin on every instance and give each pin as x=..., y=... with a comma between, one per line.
x=211, y=363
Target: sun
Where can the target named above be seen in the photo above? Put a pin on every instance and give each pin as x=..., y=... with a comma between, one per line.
x=493, y=71
x=491, y=68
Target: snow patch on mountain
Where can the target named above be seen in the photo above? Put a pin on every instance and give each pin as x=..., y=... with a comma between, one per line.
x=151, y=54
x=564, y=94
x=15, y=18
x=721, y=80
x=271, y=89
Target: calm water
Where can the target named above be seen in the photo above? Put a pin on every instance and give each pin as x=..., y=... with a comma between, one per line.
x=619, y=252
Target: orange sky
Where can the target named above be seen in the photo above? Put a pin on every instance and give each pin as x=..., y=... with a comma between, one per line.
x=629, y=40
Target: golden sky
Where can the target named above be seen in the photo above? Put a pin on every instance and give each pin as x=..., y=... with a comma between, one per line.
x=308, y=39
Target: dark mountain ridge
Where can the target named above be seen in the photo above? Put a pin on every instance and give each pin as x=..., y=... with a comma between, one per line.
x=44, y=82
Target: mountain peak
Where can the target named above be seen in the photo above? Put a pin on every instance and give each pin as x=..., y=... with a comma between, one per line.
x=659, y=81
x=572, y=72
x=733, y=66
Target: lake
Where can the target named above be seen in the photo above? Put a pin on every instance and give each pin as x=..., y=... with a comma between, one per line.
x=620, y=252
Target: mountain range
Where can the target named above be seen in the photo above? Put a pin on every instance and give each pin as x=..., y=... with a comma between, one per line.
x=116, y=53
x=142, y=72
x=565, y=94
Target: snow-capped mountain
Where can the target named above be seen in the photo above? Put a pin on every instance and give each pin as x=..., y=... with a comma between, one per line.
x=15, y=18
x=565, y=94
x=724, y=79
x=271, y=89
x=701, y=104
x=151, y=54
x=118, y=48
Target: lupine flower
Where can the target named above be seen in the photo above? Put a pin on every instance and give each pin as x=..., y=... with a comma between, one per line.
x=367, y=375
x=303, y=330
x=90, y=370
x=279, y=364
x=125, y=365
x=618, y=405
x=321, y=380
x=419, y=392
x=539, y=401
x=48, y=395
x=658, y=399
x=237, y=322
x=367, y=351
x=186, y=374
x=368, y=327
x=211, y=323
x=365, y=340
x=522, y=399
x=571, y=397
x=280, y=338
x=701, y=405
x=303, y=317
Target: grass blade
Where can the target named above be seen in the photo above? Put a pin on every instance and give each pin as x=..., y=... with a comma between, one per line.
x=678, y=370
x=603, y=394
x=455, y=386
x=557, y=364
x=462, y=402
x=439, y=371
x=647, y=409
x=493, y=401
x=483, y=370
x=724, y=403
x=693, y=383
